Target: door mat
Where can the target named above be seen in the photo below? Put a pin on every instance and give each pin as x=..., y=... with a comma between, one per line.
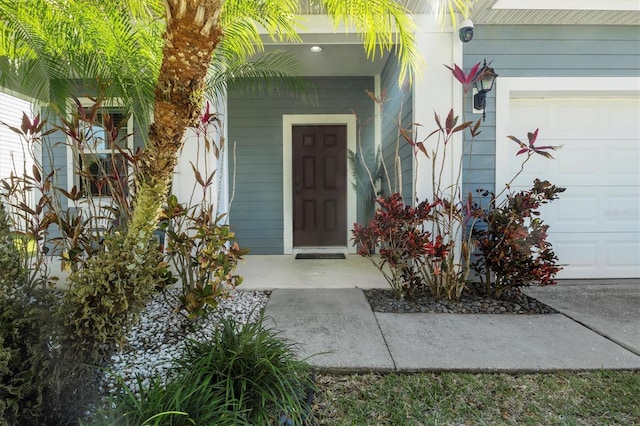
x=320, y=256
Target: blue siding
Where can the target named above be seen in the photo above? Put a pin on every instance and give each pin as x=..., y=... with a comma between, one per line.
x=541, y=51
x=398, y=108
x=255, y=126
x=54, y=153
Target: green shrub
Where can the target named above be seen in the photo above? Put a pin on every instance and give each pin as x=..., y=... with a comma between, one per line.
x=105, y=296
x=10, y=261
x=101, y=303
x=21, y=354
x=204, y=254
x=244, y=374
x=40, y=381
x=23, y=362
x=512, y=241
x=29, y=372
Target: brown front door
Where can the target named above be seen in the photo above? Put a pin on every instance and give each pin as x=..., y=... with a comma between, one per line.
x=319, y=186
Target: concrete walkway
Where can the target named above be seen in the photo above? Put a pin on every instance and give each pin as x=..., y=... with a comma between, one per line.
x=610, y=308
x=261, y=272
x=598, y=328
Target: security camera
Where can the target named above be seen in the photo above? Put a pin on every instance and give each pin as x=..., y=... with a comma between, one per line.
x=466, y=30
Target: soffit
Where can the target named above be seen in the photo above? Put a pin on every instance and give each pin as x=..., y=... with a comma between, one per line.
x=485, y=12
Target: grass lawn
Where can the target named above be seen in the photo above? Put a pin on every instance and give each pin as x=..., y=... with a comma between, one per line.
x=593, y=398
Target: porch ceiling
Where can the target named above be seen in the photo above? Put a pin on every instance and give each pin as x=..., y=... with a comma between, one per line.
x=342, y=55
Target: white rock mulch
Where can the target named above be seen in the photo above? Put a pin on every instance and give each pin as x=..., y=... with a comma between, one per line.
x=160, y=336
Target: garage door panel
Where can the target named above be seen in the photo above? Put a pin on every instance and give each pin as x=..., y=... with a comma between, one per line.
x=621, y=212
x=622, y=118
x=588, y=118
x=595, y=224
x=623, y=253
x=575, y=253
x=606, y=255
x=614, y=162
x=623, y=161
x=587, y=210
x=578, y=216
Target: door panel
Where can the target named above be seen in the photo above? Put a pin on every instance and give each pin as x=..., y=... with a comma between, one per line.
x=319, y=186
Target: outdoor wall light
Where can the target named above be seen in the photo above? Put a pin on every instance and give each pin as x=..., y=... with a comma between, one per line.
x=316, y=49
x=483, y=85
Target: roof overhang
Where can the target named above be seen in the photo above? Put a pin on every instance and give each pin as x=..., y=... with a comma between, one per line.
x=529, y=12
x=343, y=55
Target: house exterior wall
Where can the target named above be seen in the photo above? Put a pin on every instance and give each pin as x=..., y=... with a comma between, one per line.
x=255, y=127
x=54, y=154
x=397, y=108
x=13, y=156
x=540, y=51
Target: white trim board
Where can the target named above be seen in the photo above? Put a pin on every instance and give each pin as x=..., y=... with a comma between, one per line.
x=508, y=88
x=290, y=120
x=630, y=5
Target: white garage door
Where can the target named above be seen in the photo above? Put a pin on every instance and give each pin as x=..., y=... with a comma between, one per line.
x=595, y=225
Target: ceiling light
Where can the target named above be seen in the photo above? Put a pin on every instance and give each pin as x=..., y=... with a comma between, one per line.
x=316, y=49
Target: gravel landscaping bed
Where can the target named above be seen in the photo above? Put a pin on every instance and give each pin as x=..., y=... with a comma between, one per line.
x=472, y=301
x=160, y=334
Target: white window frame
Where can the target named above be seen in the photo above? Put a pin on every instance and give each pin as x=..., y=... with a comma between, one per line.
x=72, y=161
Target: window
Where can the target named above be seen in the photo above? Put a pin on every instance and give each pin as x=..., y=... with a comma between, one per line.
x=105, y=134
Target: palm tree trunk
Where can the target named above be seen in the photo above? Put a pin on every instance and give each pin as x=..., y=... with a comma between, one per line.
x=190, y=38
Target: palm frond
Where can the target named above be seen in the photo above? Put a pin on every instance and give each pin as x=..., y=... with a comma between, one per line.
x=141, y=9
x=123, y=55
x=49, y=47
x=54, y=49
x=241, y=19
x=274, y=72
x=383, y=25
x=443, y=8
x=31, y=61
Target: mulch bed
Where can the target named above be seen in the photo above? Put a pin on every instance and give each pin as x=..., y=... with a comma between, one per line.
x=473, y=301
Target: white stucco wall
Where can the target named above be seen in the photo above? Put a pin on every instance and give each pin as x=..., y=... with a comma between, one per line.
x=436, y=91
